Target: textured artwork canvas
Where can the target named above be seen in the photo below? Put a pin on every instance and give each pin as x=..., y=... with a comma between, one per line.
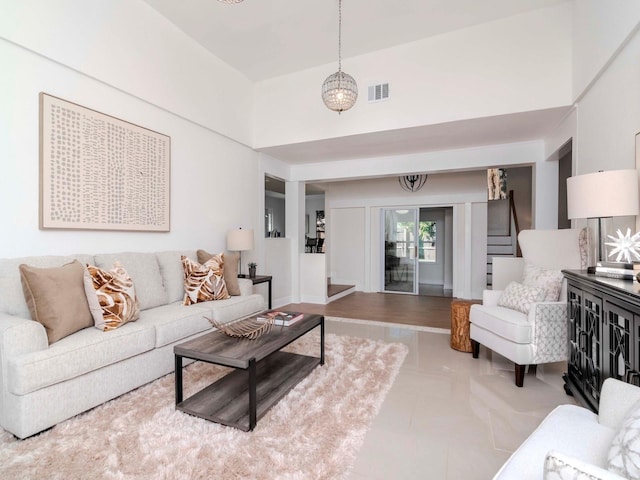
x=100, y=172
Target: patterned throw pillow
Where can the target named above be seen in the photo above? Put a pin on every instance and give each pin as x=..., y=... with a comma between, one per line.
x=229, y=267
x=116, y=297
x=548, y=280
x=558, y=466
x=520, y=297
x=624, y=453
x=201, y=284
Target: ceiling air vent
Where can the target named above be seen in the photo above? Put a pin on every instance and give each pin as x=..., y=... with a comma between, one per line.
x=378, y=93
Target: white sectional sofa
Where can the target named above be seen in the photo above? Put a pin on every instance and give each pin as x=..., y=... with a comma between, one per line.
x=42, y=384
x=574, y=443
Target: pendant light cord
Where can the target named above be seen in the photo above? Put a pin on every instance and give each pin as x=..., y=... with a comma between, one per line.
x=339, y=35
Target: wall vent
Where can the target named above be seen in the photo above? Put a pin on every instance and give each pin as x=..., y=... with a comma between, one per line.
x=378, y=93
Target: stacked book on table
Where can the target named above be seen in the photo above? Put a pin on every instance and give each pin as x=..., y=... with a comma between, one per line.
x=281, y=318
x=625, y=271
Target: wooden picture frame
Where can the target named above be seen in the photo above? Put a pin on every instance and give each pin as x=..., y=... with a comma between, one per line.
x=99, y=172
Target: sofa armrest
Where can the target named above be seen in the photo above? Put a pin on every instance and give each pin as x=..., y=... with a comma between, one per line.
x=558, y=466
x=549, y=320
x=616, y=398
x=246, y=286
x=20, y=335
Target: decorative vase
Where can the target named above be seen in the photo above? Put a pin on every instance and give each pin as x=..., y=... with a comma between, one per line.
x=252, y=272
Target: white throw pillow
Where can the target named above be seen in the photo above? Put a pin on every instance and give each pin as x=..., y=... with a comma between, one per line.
x=520, y=297
x=624, y=453
x=548, y=280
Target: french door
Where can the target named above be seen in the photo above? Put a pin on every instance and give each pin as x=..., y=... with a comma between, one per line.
x=400, y=254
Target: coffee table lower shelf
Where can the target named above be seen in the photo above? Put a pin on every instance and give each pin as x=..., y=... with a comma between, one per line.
x=227, y=400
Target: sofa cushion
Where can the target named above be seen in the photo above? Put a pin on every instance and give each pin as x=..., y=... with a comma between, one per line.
x=520, y=297
x=116, y=295
x=12, y=299
x=175, y=321
x=145, y=273
x=229, y=270
x=56, y=298
x=77, y=354
x=173, y=273
x=511, y=324
x=234, y=308
x=624, y=455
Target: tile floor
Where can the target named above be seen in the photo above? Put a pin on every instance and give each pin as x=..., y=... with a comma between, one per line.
x=449, y=416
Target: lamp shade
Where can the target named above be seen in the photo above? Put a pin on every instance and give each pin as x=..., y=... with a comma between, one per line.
x=603, y=194
x=240, y=239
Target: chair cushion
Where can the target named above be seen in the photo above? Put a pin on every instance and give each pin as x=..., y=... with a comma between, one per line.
x=507, y=323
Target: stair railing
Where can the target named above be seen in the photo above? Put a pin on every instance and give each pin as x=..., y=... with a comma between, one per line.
x=512, y=209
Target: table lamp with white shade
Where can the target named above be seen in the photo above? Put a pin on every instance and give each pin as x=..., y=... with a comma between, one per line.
x=600, y=195
x=240, y=240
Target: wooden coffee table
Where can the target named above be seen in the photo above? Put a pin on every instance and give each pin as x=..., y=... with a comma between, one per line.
x=263, y=374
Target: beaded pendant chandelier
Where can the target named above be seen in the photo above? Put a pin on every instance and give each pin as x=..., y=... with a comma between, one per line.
x=339, y=91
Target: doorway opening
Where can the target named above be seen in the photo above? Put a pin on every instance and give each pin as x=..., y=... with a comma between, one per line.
x=418, y=245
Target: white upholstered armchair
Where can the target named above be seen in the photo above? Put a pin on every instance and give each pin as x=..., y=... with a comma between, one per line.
x=525, y=317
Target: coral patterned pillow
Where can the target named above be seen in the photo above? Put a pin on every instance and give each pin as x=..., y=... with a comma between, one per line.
x=201, y=284
x=116, y=297
x=520, y=297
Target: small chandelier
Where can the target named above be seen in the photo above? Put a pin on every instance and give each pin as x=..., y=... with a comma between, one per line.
x=339, y=91
x=412, y=183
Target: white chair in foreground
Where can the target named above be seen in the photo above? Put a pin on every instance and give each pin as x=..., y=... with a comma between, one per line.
x=525, y=317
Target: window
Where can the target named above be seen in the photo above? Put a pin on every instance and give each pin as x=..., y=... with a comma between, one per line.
x=427, y=241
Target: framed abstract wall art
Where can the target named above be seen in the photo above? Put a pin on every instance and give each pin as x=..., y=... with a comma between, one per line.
x=99, y=172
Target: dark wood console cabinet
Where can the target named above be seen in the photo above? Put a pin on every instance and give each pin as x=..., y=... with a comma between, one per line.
x=603, y=334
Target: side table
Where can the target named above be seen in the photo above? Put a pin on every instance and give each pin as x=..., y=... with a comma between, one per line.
x=460, y=338
x=260, y=279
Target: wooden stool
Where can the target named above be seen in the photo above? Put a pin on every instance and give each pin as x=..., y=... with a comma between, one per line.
x=460, y=339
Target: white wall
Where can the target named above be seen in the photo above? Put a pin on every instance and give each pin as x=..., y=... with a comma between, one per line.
x=199, y=159
x=511, y=65
x=346, y=249
x=130, y=46
x=599, y=29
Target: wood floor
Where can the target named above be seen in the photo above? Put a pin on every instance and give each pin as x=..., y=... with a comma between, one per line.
x=416, y=310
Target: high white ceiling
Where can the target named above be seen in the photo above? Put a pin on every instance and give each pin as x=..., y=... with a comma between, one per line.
x=267, y=38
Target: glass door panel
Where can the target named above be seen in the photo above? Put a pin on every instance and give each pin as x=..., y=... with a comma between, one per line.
x=400, y=237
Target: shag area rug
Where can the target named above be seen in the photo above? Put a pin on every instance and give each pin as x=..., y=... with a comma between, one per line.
x=312, y=433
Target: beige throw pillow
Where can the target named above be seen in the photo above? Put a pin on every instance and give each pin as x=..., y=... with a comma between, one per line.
x=201, y=284
x=56, y=298
x=116, y=296
x=229, y=270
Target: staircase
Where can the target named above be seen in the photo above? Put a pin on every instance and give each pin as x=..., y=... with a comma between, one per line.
x=502, y=232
